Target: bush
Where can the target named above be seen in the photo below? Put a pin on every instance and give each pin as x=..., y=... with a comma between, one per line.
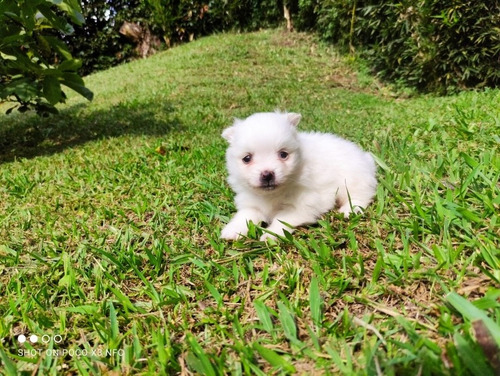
x=182, y=20
x=97, y=42
x=434, y=45
x=34, y=62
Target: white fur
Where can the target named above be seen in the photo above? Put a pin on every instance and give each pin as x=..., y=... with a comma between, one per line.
x=319, y=171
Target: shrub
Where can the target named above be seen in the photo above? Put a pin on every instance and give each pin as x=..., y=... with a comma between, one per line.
x=97, y=42
x=182, y=20
x=34, y=62
x=434, y=45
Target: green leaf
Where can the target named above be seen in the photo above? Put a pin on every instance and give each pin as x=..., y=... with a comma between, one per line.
x=264, y=316
x=54, y=20
x=24, y=88
x=7, y=57
x=159, y=343
x=472, y=357
x=125, y=301
x=206, y=367
x=60, y=47
x=18, y=19
x=9, y=367
x=65, y=281
x=73, y=9
x=339, y=360
x=274, y=359
x=71, y=65
x=192, y=361
x=315, y=301
x=381, y=163
x=113, y=321
x=215, y=293
x=52, y=90
x=472, y=313
x=83, y=309
x=287, y=322
x=469, y=215
x=75, y=82
x=471, y=162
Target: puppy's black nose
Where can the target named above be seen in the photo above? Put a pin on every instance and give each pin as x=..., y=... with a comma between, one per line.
x=267, y=177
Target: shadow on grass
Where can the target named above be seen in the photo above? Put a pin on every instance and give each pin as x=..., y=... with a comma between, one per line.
x=28, y=136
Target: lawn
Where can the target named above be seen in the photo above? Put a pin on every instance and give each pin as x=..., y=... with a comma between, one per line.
x=111, y=211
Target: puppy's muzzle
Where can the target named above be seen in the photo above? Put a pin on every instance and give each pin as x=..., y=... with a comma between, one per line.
x=267, y=180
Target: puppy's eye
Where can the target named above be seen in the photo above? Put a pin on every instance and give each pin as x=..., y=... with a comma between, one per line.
x=247, y=158
x=283, y=154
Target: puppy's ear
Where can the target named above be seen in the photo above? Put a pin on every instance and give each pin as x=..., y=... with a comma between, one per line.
x=228, y=134
x=293, y=118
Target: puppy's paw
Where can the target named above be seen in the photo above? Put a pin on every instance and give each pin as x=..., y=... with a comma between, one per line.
x=233, y=231
x=346, y=209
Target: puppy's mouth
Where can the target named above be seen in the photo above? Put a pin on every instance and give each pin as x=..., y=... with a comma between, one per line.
x=268, y=187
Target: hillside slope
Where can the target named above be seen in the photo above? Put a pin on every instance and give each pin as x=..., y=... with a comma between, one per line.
x=110, y=215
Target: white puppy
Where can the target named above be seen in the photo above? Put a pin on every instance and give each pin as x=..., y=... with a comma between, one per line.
x=288, y=178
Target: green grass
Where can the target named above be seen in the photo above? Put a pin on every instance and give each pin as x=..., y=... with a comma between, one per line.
x=110, y=215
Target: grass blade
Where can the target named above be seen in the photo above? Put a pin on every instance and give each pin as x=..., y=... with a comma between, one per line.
x=10, y=368
x=206, y=367
x=274, y=359
x=287, y=322
x=472, y=357
x=113, y=323
x=264, y=315
x=315, y=301
x=472, y=313
x=215, y=293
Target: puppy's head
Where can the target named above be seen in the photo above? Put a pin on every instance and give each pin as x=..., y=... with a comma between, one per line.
x=264, y=150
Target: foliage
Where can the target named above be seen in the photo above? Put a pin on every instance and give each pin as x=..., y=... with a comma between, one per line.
x=248, y=15
x=183, y=20
x=34, y=62
x=99, y=45
x=110, y=219
x=436, y=45
x=97, y=42
x=433, y=45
